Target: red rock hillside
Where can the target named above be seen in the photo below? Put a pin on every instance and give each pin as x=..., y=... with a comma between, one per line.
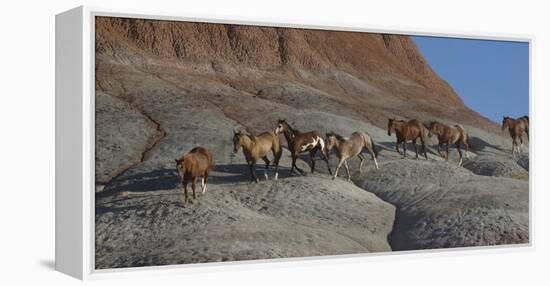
x=370, y=76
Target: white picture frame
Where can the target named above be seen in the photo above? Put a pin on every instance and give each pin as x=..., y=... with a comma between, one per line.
x=75, y=183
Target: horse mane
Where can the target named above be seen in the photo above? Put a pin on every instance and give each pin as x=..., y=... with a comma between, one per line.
x=434, y=122
x=290, y=128
x=194, y=150
x=339, y=137
x=242, y=131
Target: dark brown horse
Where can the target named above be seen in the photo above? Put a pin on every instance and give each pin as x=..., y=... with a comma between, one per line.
x=405, y=131
x=516, y=128
x=197, y=163
x=299, y=142
x=449, y=135
x=257, y=147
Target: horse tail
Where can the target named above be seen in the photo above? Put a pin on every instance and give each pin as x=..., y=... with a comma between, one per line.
x=368, y=139
x=323, y=147
x=374, y=148
x=277, y=147
x=464, y=135
x=460, y=129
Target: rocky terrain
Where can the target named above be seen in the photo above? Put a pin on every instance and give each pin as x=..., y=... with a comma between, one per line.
x=165, y=87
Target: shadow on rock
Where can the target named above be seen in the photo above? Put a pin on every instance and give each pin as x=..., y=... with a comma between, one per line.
x=478, y=144
x=238, y=173
x=162, y=179
x=390, y=147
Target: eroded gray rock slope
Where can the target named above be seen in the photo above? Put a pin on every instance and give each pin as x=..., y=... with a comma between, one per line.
x=419, y=204
x=152, y=109
x=236, y=220
x=140, y=221
x=440, y=205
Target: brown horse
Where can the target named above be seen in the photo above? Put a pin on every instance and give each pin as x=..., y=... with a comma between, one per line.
x=299, y=142
x=449, y=135
x=197, y=163
x=405, y=131
x=257, y=147
x=347, y=148
x=516, y=128
x=526, y=118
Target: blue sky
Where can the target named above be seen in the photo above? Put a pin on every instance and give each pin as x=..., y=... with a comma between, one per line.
x=492, y=77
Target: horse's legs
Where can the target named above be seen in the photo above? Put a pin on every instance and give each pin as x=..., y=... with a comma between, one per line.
x=361, y=159
x=514, y=143
x=347, y=169
x=337, y=169
x=424, y=148
x=193, y=186
x=277, y=156
x=439, y=149
x=294, y=157
x=371, y=151
x=405, y=148
x=328, y=165
x=459, y=153
x=205, y=180
x=325, y=158
x=311, y=154
x=447, y=154
x=521, y=146
x=252, y=164
x=415, y=149
x=266, y=166
x=203, y=185
x=397, y=147
x=465, y=142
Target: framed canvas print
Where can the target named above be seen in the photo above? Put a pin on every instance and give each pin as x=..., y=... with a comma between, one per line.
x=186, y=141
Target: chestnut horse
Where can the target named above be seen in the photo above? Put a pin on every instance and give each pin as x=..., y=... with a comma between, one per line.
x=347, y=148
x=197, y=163
x=516, y=128
x=257, y=147
x=449, y=135
x=405, y=131
x=299, y=142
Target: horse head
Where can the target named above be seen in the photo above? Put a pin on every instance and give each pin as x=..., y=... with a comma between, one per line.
x=237, y=134
x=505, y=122
x=330, y=139
x=179, y=166
x=282, y=125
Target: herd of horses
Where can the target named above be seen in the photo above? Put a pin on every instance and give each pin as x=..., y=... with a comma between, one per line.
x=199, y=161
